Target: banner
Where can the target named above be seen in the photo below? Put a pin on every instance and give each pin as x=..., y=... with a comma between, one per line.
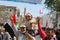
x=27, y=1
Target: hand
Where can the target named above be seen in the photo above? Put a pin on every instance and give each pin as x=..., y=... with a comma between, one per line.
x=11, y=18
x=28, y=36
x=38, y=18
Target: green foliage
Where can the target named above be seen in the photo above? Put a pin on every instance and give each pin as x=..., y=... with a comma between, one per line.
x=53, y=4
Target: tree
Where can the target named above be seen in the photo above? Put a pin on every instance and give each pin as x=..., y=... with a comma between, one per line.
x=54, y=5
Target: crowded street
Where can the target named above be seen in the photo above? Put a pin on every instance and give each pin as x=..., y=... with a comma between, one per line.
x=29, y=19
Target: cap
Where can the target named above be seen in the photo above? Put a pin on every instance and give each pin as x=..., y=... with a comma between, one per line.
x=22, y=25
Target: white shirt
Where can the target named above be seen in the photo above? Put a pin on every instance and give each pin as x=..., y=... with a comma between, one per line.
x=38, y=37
x=21, y=36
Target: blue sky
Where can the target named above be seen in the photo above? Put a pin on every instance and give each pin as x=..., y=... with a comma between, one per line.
x=34, y=9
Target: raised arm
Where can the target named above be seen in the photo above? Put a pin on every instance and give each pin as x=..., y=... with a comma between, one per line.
x=13, y=27
x=42, y=33
x=29, y=37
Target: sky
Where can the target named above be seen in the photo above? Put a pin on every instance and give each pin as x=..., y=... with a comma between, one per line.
x=34, y=9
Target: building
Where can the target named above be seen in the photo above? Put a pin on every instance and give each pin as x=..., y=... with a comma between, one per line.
x=50, y=18
x=44, y=19
x=4, y=10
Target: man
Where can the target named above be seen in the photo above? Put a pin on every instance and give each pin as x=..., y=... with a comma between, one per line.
x=1, y=36
x=34, y=28
x=27, y=21
x=22, y=34
x=48, y=35
x=6, y=35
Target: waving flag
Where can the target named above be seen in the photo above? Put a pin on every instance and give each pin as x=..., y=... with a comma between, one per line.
x=26, y=1
x=14, y=18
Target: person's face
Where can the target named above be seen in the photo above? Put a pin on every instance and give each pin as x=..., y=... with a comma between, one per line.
x=49, y=33
x=23, y=29
x=29, y=17
x=34, y=26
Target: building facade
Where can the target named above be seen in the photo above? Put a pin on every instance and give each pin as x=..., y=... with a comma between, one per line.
x=4, y=10
x=50, y=18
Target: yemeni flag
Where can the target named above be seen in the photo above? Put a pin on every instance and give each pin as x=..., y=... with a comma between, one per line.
x=14, y=18
x=9, y=29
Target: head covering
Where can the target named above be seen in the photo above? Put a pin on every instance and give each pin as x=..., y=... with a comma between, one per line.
x=22, y=25
x=28, y=14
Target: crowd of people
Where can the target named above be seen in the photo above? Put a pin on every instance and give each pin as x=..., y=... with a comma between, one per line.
x=30, y=29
